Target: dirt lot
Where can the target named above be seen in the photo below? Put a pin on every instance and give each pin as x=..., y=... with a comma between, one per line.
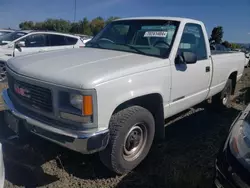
x=184, y=159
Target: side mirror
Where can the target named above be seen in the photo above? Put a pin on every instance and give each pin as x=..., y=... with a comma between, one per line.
x=186, y=58
x=189, y=57
x=19, y=44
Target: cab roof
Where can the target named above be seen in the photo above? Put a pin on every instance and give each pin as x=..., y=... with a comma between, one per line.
x=180, y=19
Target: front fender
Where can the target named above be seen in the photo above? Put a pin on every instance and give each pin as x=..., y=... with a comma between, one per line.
x=115, y=92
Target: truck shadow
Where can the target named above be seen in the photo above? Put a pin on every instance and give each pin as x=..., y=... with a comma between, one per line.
x=185, y=158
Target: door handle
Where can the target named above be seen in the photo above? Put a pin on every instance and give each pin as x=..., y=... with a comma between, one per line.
x=207, y=69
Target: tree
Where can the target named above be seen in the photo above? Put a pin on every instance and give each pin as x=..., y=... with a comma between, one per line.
x=235, y=46
x=217, y=35
x=85, y=27
x=26, y=25
x=96, y=25
x=110, y=19
x=226, y=44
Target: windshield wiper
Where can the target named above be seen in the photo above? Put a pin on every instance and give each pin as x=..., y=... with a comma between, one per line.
x=92, y=44
x=132, y=47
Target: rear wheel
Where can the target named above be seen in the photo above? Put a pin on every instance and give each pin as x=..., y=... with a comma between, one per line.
x=131, y=136
x=223, y=99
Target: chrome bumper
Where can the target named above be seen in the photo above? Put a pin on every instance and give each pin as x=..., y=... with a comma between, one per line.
x=83, y=142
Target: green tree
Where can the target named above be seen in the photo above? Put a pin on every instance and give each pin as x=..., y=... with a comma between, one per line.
x=26, y=25
x=217, y=35
x=110, y=19
x=85, y=27
x=226, y=44
x=235, y=46
x=97, y=25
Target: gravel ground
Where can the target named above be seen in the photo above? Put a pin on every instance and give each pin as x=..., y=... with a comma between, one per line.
x=184, y=159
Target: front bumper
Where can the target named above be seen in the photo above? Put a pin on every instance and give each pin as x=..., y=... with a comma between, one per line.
x=85, y=142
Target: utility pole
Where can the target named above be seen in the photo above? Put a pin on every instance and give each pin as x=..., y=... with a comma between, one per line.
x=75, y=12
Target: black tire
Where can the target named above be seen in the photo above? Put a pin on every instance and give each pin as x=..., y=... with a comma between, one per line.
x=223, y=99
x=121, y=123
x=3, y=74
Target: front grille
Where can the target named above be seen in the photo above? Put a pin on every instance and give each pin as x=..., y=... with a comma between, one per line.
x=33, y=95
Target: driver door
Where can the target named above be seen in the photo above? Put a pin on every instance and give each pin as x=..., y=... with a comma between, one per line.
x=190, y=82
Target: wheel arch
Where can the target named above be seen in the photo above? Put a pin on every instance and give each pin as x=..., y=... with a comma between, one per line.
x=233, y=77
x=152, y=102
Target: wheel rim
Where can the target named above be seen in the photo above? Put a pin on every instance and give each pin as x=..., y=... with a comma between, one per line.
x=135, y=141
x=226, y=96
x=2, y=71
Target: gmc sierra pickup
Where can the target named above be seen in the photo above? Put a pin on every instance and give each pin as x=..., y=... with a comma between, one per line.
x=113, y=96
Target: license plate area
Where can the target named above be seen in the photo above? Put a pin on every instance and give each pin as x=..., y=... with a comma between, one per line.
x=12, y=122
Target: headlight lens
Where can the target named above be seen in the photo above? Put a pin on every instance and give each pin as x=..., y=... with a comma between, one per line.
x=83, y=103
x=76, y=101
x=240, y=142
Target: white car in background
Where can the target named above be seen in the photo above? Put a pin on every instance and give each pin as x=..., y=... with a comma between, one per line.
x=27, y=41
x=5, y=31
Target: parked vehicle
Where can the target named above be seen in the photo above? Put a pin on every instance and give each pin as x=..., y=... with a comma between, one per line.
x=5, y=31
x=219, y=47
x=112, y=96
x=27, y=42
x=2, y=169
x=247, y=59
x=233, y=161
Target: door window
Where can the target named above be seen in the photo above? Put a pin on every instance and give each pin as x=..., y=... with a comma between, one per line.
x=193, y=40
x=57, y=40
x=36, y=40
x=71, y=40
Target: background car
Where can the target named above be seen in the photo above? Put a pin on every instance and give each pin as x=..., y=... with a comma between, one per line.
x=233, y=161
x=219, y=47
x=27, y=41
x=5, y=31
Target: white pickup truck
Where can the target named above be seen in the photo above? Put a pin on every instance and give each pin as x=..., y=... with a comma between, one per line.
x=113, y=96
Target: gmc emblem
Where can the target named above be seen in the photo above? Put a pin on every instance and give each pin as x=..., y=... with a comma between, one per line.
x=21, y=91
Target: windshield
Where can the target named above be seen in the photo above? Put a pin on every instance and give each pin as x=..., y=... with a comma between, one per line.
x=5, y=39
x=147, y=37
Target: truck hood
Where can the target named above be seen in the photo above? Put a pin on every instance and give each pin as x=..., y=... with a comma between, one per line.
x=81, y=68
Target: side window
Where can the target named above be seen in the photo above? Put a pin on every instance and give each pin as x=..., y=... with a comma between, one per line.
x=193, y=41
x=36, y=40
x=57, y=40
x=71, y=40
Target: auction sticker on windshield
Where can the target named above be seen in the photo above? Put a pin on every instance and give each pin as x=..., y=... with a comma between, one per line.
x=156, y=34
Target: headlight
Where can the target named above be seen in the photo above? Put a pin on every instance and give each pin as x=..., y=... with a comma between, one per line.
x=76, y=101
x=83, y=103
x=77, y=107
x=239, y=142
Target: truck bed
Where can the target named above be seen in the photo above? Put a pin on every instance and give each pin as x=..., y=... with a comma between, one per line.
x=217, y=52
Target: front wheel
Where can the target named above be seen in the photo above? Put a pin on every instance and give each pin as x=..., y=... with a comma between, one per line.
x=131, y=136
